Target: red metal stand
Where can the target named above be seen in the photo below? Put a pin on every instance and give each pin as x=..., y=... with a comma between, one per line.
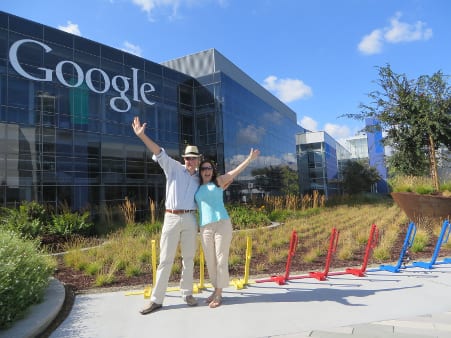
x=281, y=279
x=322, y=275
x=332, y=249
x=370, y=245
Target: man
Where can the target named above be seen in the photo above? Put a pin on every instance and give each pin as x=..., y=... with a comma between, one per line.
x=180, y=222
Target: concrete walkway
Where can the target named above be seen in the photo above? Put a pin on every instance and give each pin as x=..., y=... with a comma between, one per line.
x=415, y=302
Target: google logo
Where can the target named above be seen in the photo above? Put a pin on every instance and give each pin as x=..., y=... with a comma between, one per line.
x=120, y=83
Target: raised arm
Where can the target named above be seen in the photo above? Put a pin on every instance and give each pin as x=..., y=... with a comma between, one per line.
x=139, y=129
x=225, y=180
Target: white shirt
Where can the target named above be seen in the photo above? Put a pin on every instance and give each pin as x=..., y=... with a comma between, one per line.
x=180, y=184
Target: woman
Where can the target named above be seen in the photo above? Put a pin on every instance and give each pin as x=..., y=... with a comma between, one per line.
x=215, y=224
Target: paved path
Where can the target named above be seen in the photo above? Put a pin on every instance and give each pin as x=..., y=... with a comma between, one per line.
x=412, y=303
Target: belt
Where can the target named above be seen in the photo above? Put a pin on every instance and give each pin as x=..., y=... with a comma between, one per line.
x=178, y=212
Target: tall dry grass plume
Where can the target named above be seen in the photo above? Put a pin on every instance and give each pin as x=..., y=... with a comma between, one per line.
x=128, y=209
x=306, y=202
x=152, y=211
x=295, y=202
x=315, y=198
x=291, y=202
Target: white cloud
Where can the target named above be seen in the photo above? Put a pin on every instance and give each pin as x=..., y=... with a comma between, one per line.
x=151, y=6
x=289, y=158
x=273, y=117
x=250, y=135
x=404, y=32
x=338, y=132
x=309, y=123
x=131, y=48
x=70, y=28
x=395, y=33
x=371, y=43
x=267, y=161
x=287, y=90
x=146, y=5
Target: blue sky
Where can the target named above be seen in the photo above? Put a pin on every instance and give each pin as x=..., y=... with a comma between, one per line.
x=317, y=56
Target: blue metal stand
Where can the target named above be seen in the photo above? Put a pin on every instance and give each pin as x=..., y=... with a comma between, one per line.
x=404, y=255
x=446, y=228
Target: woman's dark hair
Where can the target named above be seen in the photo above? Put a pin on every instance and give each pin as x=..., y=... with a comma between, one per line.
x=214, y=174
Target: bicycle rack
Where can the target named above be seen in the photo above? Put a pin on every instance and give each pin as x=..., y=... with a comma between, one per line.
x=281, y=279
x=241, y=283
x=371, y=244
x=322, y=275
x=446, y=229
x=404, y=255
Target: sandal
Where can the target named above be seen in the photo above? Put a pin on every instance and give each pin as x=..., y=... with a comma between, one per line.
x=216, y=301
x=210, y=298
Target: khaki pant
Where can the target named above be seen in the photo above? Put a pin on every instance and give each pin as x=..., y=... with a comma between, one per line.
x=216, y=238
x=183, y=228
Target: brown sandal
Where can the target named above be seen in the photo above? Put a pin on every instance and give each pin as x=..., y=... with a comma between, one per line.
x=210, y=298
x=216, y=301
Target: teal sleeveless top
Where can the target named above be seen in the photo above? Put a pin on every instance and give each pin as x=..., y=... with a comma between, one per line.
x=210, y=203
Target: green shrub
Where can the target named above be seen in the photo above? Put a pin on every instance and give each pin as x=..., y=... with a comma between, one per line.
x=419, y=184
x=138, y=229
x=358, y=199
x=420, y=242
x=24, y=276
x=30, y=219
x=93, y=268
x=280, y=215
x=68, y=223
x=446, y=186
x=424, y=190
x=381, y=254
x=246, y=218
x=133, y=270
x=103, y=279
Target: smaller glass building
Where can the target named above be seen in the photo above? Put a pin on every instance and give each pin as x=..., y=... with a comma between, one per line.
x=368, y=146
x=321, y=159
x=319, y=162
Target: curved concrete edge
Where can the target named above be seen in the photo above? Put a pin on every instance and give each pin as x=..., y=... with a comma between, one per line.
x=39, y=316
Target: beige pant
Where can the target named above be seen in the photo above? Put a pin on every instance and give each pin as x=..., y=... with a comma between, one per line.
x=176, y=228
x=216, y=238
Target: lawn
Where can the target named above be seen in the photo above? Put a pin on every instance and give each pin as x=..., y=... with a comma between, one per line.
x=125, y=257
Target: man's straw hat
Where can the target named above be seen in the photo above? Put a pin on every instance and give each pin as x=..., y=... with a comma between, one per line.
x=191, y=151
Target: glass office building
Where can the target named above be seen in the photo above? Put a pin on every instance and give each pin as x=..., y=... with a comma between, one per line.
x=244, y=114
x=369, y=147
x=67, y=103
x=320, y=160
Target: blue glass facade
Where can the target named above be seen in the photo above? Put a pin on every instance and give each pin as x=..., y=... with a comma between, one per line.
x=376, y=155
x=66, y=106
x=319, y=161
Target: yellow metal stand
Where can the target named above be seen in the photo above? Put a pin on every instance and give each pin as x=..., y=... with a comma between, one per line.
x=154, y=262
x=241, y=283
x=198, y=287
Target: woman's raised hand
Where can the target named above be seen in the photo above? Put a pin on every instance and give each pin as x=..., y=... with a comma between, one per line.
x=254, y=154
x=138, y=128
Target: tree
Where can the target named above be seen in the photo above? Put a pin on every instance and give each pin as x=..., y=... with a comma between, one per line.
x=290, y=181
x=277, y=180
x=358, y=177
x=416, y=116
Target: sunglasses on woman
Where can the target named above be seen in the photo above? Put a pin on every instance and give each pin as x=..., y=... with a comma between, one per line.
x=206, y=168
